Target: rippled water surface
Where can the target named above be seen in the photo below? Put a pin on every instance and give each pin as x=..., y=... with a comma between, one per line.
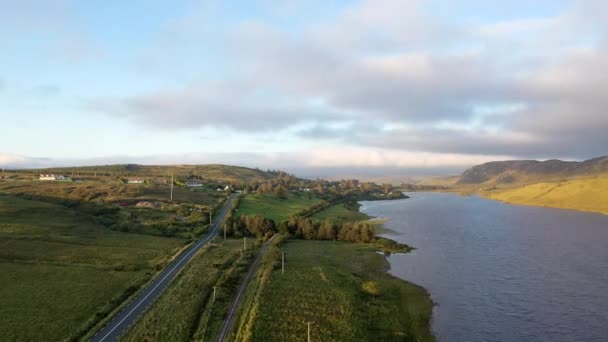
x=501, y=272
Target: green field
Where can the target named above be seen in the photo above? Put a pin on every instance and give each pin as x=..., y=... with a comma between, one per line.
x=60, y=268
x=324, y=284
x=110, y=190
x=340, y=213
x=587, y=194
x=186, y=311
x=275, y=208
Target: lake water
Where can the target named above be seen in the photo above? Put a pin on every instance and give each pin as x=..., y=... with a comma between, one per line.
x=502, y=272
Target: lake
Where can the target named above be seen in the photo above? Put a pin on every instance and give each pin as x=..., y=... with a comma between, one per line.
x=501, y=272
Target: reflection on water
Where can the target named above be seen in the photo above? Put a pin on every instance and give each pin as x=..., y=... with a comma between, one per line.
x=501, y=272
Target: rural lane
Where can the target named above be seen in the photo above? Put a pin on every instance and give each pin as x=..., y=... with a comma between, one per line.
x=240, y=296
x=121, y=322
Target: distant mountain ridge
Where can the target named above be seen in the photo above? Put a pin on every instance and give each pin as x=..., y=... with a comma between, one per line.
x=512, y=171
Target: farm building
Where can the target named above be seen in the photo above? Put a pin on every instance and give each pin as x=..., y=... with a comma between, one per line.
x=194, y=184
x=135, y=181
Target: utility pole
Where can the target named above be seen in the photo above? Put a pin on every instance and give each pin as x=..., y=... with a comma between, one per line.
x=210, y=219
x=308, y=331
x=225, y=231
x=214, y=293
x=282, y=262
x=172, y=188
x=245, y=243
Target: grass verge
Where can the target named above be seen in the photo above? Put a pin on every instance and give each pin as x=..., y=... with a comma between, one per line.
x=187, y=311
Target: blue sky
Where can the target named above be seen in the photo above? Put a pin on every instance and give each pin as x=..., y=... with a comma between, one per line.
x=305, y=85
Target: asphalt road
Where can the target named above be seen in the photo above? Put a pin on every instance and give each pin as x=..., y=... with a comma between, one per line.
x=130, y=313
x=227, y=326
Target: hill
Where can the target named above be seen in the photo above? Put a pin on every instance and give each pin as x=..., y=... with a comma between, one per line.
x=552, y=183
x=585, y=194
x=217, y=172
x=531, y=171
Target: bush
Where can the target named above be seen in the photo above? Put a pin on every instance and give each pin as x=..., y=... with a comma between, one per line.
x=371, y=287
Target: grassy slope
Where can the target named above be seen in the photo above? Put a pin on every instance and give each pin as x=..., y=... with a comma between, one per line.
x=225, y=173
x=323, y=285
x=112, y=191
x=273, y=207
x=339, y=213
x=589, y=194
x=60, y=267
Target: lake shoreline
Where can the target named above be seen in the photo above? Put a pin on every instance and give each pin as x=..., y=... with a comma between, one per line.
x=486, y=262
x=383, y=232
x=539, y=205
x=341, y=277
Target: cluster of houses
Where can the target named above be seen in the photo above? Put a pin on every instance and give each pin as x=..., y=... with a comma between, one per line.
x=135, y=180
x=53, y=177
x=163, y=181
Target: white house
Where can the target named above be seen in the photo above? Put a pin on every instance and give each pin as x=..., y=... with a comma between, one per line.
x=194, y=184
x=54, y=177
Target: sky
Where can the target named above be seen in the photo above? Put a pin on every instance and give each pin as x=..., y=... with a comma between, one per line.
x=313, y=87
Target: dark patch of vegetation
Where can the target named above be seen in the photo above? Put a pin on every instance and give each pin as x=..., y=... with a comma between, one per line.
x=309, y=229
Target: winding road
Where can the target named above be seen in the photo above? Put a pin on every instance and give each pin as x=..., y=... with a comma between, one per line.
x=122, y=321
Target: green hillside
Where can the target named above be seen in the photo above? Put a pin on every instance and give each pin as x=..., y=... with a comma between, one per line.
x=587, y=194
x=226, y=173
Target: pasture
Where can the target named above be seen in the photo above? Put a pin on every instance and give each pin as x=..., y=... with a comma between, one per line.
x=275, y=208
x=343, y=289
x=62, y=271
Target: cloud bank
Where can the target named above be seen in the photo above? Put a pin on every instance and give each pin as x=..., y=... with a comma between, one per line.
x=310, y=84
x=527, y=87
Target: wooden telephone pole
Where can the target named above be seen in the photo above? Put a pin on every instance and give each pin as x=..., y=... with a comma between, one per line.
x=171, y=188
x=308, y=331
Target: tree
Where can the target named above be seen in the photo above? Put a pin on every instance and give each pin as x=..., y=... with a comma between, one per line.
x=280, y=191
x=344, y=231
x=308, y=229
x=326, y=231
x=319, y=188
x=283, y=228
x=367, y=233
x=386, y=188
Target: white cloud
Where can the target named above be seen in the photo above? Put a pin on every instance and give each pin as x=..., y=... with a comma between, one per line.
x=390, y=63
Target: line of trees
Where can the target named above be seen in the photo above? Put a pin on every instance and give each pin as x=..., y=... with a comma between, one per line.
x=300, y=228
